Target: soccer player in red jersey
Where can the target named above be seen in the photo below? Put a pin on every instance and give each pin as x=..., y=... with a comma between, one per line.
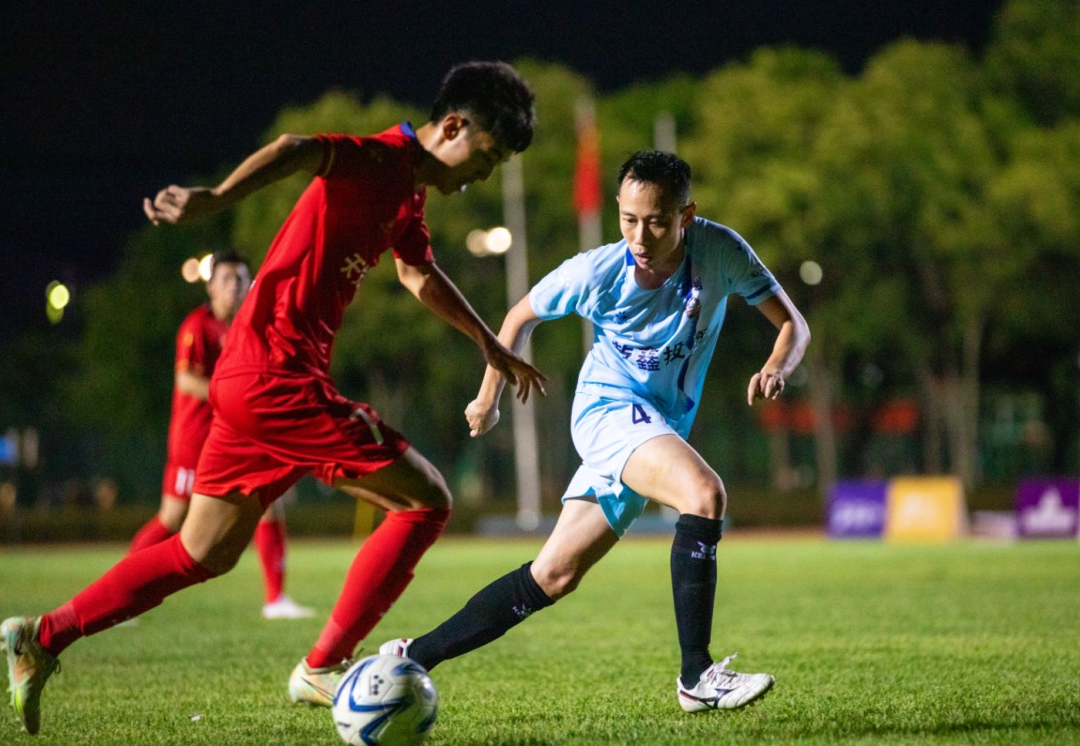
x=198, y=346
x=277, y=414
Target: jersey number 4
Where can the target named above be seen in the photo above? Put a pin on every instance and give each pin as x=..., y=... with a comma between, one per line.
x=640, y=415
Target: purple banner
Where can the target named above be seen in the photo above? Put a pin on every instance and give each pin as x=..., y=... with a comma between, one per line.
x=857, y=510
x=1048, y=508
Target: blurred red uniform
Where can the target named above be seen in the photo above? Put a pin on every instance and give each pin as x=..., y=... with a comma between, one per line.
x=198, y=347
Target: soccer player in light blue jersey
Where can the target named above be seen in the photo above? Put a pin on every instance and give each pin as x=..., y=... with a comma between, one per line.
x=657, y=300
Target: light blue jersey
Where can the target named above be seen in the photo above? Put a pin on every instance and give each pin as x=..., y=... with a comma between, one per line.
x=644, y=375
x=655, y=345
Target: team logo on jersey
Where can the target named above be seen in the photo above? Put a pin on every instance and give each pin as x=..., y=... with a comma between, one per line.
x=354, y=263
x=693, y=302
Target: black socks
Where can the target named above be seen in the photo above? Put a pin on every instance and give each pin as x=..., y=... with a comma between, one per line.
x=693, y=585
x=486, y=617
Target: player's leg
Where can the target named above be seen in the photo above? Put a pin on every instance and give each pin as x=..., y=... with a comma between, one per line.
x=417, y=503
x=669, y=471
x=270, y=546
x=581, y=538
x=175, y=498
x=210, y=542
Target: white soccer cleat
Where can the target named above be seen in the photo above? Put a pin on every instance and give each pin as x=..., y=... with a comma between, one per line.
x=399, y=647
x=316, y=686
x=721, y=689
x=286, y=608
x=29, y=667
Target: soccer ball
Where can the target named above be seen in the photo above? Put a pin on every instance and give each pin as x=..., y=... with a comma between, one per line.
x=385, y=700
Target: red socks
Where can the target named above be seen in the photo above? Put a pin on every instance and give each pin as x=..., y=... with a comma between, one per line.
x=270, y=544
x=135, y=584
x=382, y=568
x=154, y=532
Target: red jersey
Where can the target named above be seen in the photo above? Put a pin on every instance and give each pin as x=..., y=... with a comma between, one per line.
x=362, y=202
x=198, y=347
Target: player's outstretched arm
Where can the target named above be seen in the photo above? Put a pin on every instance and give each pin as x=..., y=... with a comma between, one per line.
x=482, y=413
x=791, y=342
x=283, y=157
x=435, y=290
x=193, y=384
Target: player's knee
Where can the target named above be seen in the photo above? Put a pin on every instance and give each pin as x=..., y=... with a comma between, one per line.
x=707, y=499
x=219, y=559
x=436, y=494
x=559, y=580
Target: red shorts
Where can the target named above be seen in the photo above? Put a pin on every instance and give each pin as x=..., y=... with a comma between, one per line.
x=178, y=481
x=269, y=430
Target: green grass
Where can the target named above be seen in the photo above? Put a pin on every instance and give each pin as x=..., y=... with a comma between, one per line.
x=870, y=643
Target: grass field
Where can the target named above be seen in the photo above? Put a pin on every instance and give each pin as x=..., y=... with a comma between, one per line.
x=870, y=643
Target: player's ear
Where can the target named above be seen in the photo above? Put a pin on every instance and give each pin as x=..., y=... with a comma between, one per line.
x=452, y=124
x=688, y=214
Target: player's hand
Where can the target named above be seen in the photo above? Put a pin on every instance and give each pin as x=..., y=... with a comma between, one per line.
x=765, y=385
x=176, y=204
x=516, y=371
x=481, y=417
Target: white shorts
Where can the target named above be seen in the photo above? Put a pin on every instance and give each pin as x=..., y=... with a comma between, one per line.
x=606, y=433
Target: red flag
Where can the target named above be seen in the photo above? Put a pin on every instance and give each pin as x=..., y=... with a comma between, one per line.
x=588, y=194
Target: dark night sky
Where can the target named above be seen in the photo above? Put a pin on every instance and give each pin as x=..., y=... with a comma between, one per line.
x=101, y=107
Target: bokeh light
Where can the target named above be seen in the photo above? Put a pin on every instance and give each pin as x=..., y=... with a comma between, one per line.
x=57, y=295
x=499, y=240
x=810, y=272
x=190, y=270
x=206, y=264
x=476, y=242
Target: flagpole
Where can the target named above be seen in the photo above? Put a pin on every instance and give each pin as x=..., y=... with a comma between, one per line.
x=587, y=189
x=526, y=446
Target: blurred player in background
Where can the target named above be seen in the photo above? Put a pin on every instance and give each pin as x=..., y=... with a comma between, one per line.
x=277, y=414
x=657, y=301
x=198, y=346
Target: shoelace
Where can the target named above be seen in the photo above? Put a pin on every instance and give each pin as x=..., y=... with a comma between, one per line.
x=721, y=669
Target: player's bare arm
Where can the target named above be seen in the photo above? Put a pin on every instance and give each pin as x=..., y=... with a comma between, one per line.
x=435, y=290
x=193, y=384
x=791, y=342
x=286, y=155
x=482, y=413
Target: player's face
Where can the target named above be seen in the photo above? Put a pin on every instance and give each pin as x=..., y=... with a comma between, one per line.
x=228, y=286
x=468, y=154
x=653, y=223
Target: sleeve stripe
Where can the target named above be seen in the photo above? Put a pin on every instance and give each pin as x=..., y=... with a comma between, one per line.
x=771, y=286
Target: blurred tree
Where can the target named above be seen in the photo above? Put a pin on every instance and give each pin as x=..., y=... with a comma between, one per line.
x=753, y=155
x=1034, y=57
x=118, y=394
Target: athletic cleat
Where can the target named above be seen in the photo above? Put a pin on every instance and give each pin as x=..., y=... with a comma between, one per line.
x=721, y=689
x=29, y=667
x=286, y=608
x=316, y=686
x=399, y=647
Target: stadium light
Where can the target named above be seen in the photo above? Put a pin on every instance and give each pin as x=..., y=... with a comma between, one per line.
x=810, y=272
x=205, y=267
x=189, y=270
x=499, y=240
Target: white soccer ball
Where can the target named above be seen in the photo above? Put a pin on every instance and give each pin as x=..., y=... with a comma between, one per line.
x=385, y=700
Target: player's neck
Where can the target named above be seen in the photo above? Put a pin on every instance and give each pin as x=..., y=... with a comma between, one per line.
x=426, y=164
x=650, y=279
x=222, y=313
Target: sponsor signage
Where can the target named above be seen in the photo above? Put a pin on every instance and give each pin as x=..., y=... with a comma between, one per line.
x=1048, y=508
x=857, y=510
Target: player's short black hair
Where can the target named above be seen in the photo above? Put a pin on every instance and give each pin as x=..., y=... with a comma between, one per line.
x=658, y=167
x=495, y=96
x=226, y=256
